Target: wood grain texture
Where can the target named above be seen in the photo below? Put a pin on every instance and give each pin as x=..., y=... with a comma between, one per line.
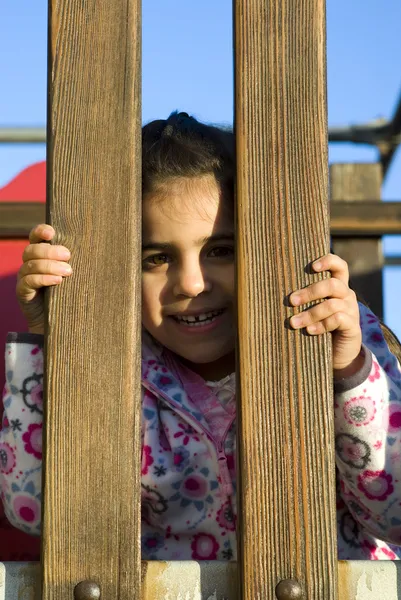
x=365, y=218
x=286, y=434
x=362, y=219
x=357, y=182
x=18, y=218
x=91, y=520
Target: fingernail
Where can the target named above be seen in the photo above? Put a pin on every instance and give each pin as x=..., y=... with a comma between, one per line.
x=295, y=300
x=317, y=265
x=295, y=321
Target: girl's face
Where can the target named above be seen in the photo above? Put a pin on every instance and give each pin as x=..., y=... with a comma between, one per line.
x=188, y=287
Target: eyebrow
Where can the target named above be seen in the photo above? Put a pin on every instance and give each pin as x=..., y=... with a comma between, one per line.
x=218, y=237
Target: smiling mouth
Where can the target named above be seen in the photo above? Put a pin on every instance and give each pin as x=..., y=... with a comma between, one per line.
x=198, y=320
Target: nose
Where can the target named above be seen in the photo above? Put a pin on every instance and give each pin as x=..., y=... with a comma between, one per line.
x=191, y=280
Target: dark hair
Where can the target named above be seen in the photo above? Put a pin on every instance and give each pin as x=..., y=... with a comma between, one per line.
x=182, y=147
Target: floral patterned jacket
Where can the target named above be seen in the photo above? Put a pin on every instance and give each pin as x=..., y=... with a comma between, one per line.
x=188, y=450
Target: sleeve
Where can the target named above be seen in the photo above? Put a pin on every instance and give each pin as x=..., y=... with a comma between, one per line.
x=21, y=432
x=368, y=436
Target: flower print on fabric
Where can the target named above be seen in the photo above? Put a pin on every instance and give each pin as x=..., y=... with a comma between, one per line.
x=349, y=530
x=33, y=440
x=375, y=372
x=352, y=451
x=376, y=485
x=228, y=553
x=7, y=458
x=204, y=547
x=159, y=470
x=32, y=393
x=147, y=459
x=226, y=517
x=164, y=381
x=196, y=488
x=153, y=499
x=37, y=362
x=394, y=418
x=377, y=553
x=187, y=433
x=359, y=410
x=375, y=338
x=150, y=543
x=181, y=458
x=26, y=506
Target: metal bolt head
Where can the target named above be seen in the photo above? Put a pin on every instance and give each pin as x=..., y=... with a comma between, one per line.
x=87, y=590
x=289, y=589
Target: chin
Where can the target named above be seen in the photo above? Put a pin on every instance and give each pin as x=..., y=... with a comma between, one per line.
x=203, y=358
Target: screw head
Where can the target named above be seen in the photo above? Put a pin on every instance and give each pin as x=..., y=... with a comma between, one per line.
x=87, y=590
x=289, y=589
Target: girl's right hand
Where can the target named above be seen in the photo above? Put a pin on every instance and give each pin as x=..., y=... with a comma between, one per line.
x=44, y=265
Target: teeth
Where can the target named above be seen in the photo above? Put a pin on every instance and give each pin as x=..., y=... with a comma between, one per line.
x=199, y=318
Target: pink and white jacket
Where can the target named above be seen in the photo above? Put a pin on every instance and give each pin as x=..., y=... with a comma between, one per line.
x=188, y=450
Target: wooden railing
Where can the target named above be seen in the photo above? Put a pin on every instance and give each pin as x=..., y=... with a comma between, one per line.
x=91, y=526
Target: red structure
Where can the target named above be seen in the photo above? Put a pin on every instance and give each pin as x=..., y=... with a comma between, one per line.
x=27, y=186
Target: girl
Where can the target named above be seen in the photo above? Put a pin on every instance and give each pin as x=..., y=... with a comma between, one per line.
x=188, y=379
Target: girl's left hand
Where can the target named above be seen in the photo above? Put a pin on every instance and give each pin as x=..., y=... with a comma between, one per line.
x=339, y=313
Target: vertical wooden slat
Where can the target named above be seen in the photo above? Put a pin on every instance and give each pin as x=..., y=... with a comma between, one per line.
x=286, y=449
x=357, y=182
x=92, y=454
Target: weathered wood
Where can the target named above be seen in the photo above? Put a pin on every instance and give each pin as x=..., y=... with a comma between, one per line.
x=189, y=580
x=18, y=218
x=91, y=527
x=365, y=219
x=357, y=183
x=286, y=434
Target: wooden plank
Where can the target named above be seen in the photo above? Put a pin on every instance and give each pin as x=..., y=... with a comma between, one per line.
x=18, y=218
x=363, y=219
x=91, y=525
x=356, y=183
x=287, y=528
x=213, y=580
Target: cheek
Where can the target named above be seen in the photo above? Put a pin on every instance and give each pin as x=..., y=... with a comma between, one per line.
x=153, y=289
x=227, y=280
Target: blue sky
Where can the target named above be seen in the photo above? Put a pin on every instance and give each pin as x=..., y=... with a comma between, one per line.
x=187, y=64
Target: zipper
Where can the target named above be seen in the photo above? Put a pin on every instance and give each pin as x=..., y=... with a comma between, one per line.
x=225, y=476
x=226, y=483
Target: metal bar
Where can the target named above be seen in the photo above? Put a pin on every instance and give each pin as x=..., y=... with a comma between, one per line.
x=392, y=260
x=23, y=135
x=394, y=139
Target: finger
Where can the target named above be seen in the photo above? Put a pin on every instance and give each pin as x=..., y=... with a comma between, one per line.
x=327, y=288
x=317, y=313
x=27, y=286
x=43, y=251
x=340, y=321
x=336, y=265
x=45, y=267
x=41, y=233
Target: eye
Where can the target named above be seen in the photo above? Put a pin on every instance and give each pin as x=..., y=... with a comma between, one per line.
x=221, y=252
x=156, y=260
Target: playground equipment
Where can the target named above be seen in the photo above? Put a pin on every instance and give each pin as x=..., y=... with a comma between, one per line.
x=91, y=524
